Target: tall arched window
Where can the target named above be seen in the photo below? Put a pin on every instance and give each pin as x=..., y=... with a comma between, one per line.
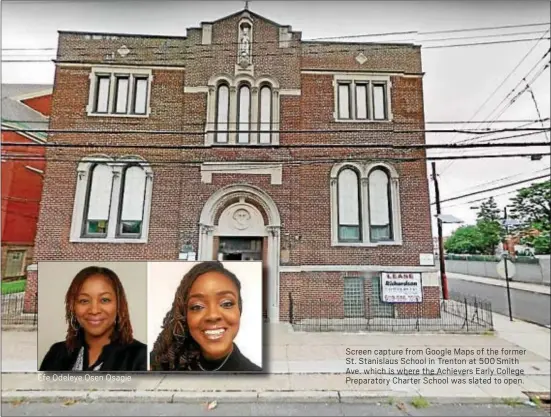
x=349, y=218
x=132, y=201
x=222, y=112
x=243, y=113
x=98, y=201
x=380, y=206
x=265, y=119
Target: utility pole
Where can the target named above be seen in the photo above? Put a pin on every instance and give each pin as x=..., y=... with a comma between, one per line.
x=505, y=259
x=443, y=278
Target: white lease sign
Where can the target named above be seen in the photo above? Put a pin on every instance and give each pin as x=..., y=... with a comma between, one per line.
x=401, y=287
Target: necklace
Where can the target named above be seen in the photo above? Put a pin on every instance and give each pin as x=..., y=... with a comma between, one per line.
x=214, y=370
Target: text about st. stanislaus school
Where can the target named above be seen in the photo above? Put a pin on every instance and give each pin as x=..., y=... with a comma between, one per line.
x=429, y=366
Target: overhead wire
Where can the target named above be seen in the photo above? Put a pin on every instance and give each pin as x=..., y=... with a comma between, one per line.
x=522, y=60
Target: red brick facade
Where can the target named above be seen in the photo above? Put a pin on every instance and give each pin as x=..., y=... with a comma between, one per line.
x=179, y=193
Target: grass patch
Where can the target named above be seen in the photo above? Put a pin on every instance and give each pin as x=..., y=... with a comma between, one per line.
x=14, y=286
x=420, y=402
x=537, y=401
x=488, y=333
x=512, y=402
x=391, y=401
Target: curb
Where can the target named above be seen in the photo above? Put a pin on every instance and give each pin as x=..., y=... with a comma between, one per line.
x=166, y=397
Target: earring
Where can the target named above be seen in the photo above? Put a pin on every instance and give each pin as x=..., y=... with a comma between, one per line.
x=178, y=336
x=72, y=323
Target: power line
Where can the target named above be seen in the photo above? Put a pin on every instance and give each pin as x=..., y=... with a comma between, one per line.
x=514, y=99
x=502, y=179
x=482, y=199
x=497, y=89
x=482, y=121
x=283, y=131
x=499, y=35
x=381, y=34
x=282, y=146
x=430, y=122
x=494, y=188
x=324, y=160
x=432, y=32
x=190, y=57
x=484, y=43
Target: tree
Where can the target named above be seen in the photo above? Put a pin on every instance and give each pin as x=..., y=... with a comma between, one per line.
x=489, y=211
x=532, y=207
x=489, y=225
x=465, y=240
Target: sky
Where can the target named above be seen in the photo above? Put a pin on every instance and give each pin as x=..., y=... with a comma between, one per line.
x=468, y=83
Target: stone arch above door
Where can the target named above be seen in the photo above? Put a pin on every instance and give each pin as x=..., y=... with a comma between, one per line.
x=225, y=196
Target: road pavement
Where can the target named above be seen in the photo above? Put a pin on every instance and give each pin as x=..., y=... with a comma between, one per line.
x=269, y=409
x=528, y=306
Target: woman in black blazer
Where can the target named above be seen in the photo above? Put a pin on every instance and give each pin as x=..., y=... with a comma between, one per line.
x=199, y=330
x=99, y=332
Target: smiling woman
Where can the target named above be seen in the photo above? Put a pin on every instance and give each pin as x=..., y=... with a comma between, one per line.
x=199, y=331
x=99, y=332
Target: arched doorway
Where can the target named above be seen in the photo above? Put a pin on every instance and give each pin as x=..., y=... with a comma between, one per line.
x=241, y=222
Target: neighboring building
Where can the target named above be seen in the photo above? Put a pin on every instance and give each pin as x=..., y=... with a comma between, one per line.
x=24, y=106
x=324, y=230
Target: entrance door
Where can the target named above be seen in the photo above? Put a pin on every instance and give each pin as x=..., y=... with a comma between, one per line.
x=246, y=249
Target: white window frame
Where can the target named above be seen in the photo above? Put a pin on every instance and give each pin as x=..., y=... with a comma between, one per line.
x=370, y=79
x=234, y=84
x=396, y=223
x=113, y=73
x=83, y=174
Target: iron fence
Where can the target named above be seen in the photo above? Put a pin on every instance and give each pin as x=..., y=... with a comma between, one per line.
x=13, y=310
x=458, y=314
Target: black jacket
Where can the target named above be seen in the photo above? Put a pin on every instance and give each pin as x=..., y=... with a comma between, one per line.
x=237, y=362
x=115, y=357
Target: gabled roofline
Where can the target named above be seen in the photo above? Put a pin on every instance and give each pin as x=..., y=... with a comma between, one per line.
x=241, y=12
x=34, y=94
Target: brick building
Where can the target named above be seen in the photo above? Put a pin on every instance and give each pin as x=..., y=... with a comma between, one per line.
x=24, y=106
x=242, y=94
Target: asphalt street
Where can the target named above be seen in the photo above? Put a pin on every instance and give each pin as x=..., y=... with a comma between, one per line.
x=528, y=306
x=267, y=409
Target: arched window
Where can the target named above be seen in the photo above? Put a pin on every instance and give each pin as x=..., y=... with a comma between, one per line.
x=222, y=112
x=380, y=206
x=265, y=119
x=243, y=113
x=112, y=200
x=98, y=201
x=132, y=201
x=349, y=218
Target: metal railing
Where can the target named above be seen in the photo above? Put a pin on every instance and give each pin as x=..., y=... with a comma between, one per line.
x=458, y=314
x=13, y=310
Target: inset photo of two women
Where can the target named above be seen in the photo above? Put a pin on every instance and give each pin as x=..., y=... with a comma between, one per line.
x=201, y=316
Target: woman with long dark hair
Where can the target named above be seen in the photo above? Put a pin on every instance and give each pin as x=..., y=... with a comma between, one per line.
x=99, y=332
x=199, y=330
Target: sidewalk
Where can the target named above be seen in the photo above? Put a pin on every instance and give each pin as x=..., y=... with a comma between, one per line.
x=313, y=366
x=541, y=289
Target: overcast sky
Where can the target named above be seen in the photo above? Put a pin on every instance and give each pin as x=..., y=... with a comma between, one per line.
x=457, y=80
